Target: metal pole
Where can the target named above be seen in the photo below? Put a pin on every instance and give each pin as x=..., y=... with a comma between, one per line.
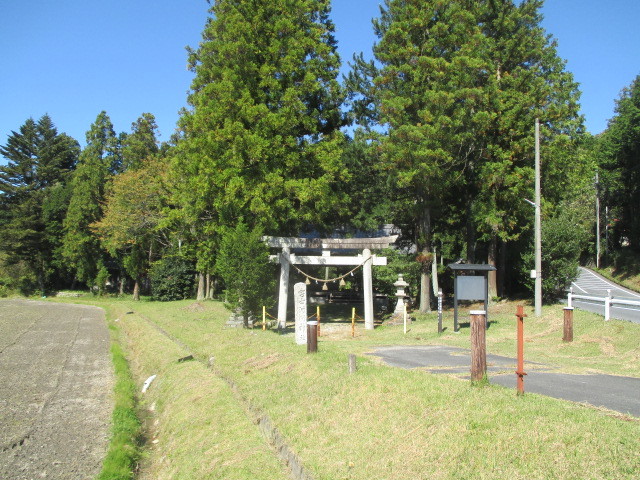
x=353, y=322
x=538, y=228
x=520, y=371
x=597, y=222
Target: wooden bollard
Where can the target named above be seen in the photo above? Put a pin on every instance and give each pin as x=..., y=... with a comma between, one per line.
x=478, y=345
x=312, y=336
x=568, y=324
x=352, y=363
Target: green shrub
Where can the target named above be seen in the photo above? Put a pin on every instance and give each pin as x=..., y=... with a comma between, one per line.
x=563, y=240
x=385, y=276
x=172, y=278
x=243, y=264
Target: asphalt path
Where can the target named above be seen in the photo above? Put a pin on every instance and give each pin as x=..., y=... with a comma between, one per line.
x=56, y=384
x=592, y=284
x=621, y=394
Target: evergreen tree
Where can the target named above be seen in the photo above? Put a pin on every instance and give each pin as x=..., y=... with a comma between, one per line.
x=141, y=144
x=619, y=155
x=130, y=228
x=244, y=266
x=429, y=101
x=81, y=246
x=527, y=80
x=455, y=90
x=262, y=139
x=32, y=186
x=134, y=201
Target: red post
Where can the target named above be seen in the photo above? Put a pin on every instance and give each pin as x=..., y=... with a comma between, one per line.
x=520, y=371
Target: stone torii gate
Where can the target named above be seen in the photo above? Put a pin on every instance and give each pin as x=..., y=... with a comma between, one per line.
x=286, y=258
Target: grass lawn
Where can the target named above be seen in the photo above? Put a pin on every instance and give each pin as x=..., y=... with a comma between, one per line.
x=382, y=422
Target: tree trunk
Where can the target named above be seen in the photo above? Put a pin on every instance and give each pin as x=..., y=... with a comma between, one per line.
x=200, y=294
x=121, y=284
x=424, y=247
x=492, y=260
x=136, y=290
x=425, y=292
x=207, y=292
x=502, y=268
x=214, y=286
x=470, y=235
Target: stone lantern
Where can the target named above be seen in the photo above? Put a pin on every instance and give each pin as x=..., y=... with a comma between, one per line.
x=400, y=285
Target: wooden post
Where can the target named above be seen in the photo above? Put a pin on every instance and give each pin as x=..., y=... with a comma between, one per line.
x=439, y=311
x=478, y=345
x=404, y=317
x=318, y=318
x=312, y=336
x=568, y=325
x=353, y=322
x=352, y=363
x=520, y=371
x=264, y=318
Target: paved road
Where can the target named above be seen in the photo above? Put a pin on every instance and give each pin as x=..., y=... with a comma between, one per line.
x=56, y=384
x=621, y=394
x=590, y=283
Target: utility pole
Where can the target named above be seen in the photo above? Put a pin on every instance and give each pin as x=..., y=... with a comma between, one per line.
x=597, y=221
x=538, y=228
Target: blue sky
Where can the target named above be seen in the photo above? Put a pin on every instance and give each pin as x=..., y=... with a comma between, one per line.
x=74, y=58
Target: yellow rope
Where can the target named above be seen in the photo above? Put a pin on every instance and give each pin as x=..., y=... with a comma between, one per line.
x=327, y=280
x=270, y=316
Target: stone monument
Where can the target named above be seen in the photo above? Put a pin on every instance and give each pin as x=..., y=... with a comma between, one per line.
x=300, y=305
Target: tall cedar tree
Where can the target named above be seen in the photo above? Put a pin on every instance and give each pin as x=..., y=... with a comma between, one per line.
x=619, y=155
x=32, y=197
x=134, y=203
x=456, y=87
x=428, y=98
x=262, y=140
x=526, y=80
x=98, y=160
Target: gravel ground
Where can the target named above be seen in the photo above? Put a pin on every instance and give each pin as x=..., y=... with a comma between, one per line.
x=56, y=384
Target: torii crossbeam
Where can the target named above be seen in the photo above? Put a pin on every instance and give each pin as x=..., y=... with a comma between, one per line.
x=366, y=259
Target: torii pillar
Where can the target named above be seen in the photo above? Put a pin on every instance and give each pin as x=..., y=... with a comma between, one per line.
x=283, y=292
x=367, y=281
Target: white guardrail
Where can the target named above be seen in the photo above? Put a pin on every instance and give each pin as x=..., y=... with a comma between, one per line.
x=608, y=300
